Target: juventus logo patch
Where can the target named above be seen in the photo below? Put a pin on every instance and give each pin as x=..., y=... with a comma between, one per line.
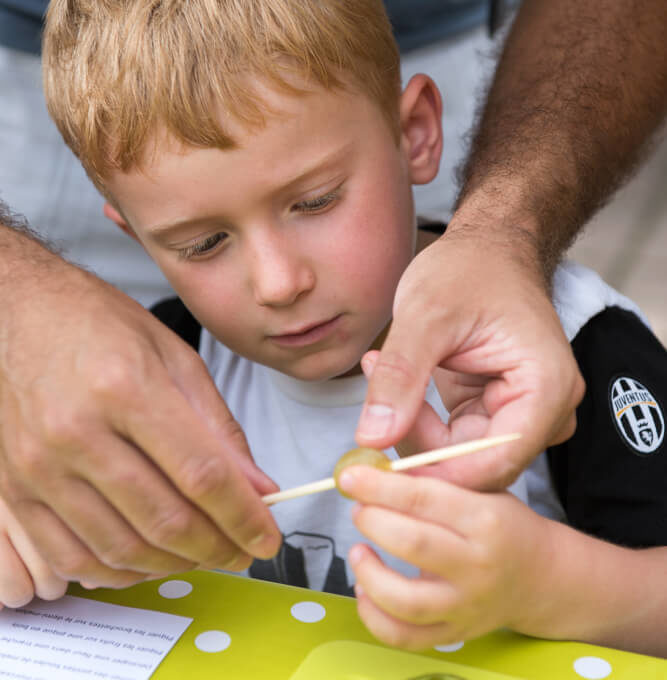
x=637, y=414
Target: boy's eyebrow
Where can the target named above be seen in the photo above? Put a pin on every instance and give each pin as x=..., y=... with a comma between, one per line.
x=321, y=165
x=161, y=230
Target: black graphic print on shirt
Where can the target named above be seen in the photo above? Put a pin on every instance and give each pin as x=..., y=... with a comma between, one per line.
x=308, y=561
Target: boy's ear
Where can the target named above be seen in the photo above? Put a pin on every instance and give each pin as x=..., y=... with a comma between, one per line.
x=115, y=216
x=421, y=128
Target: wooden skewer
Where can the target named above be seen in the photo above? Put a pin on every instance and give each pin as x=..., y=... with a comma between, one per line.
x=425, y=458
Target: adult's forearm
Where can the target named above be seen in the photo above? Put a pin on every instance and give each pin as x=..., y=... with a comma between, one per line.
x=22, y=252
x=579, y=90
x=29, y=268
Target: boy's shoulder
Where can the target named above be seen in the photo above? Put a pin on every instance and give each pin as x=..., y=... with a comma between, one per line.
x=611, y=476
x=579, y=295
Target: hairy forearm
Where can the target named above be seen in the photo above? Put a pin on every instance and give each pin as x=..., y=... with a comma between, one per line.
x=27, y=260
x=579, y=90
x=589, y=590
x=30, y=267
x=21, y=250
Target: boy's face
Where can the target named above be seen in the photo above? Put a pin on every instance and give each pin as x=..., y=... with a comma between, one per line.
x=289, y=247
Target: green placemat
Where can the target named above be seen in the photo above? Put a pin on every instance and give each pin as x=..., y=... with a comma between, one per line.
x=268, y=630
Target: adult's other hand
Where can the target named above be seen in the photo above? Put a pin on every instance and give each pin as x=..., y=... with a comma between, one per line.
x=117, y=454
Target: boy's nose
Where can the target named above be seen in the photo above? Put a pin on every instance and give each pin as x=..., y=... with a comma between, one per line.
x=280, y=274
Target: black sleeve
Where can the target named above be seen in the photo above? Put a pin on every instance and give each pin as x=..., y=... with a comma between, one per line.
x=611, y=476
x=174, y=314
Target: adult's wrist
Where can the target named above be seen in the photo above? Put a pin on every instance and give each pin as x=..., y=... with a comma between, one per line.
x=495, y=219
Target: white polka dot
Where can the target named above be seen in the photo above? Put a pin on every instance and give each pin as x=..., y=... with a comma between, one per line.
x=308, y=612
x=212, y=641
x=174, y=589
x=592, y=667
x=449, y=648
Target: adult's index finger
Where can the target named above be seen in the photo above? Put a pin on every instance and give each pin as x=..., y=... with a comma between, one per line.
x=204, y=468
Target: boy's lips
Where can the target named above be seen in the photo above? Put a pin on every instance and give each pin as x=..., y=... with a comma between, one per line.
x=307, y=335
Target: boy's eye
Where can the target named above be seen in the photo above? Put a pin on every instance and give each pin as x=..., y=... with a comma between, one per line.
x=317, y=204
x=203, y=247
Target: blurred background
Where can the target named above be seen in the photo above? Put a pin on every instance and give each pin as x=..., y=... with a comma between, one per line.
x=626, y=243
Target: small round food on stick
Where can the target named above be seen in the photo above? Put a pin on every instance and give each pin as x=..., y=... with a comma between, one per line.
x=362, y=456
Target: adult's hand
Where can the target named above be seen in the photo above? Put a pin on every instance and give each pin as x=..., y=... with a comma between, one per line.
x=475, y=304
x=552, y=143
x=117, y=454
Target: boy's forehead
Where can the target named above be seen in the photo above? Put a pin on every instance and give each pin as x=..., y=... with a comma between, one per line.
x=303, y=135
x=308, y=104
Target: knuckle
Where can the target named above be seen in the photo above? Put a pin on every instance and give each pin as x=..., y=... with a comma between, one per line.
x=192, y=362
x=418, y=500
x=114, y=379
x=29, y=461
x=202, y=476
x=489, y=521
x=500, y=474
x=415, y=609
x=61, y=427
x=73, y=565
x=245, y=525
x=416, y=543
x=234, y=435
x=128, y=477
x=122, y=555
x=171, y=527
x=395, y=368
x=579, y=389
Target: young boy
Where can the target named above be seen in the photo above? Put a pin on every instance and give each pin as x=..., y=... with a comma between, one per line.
x=263, y=155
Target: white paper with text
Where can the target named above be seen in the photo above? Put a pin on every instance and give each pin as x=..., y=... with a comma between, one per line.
x=75, y=638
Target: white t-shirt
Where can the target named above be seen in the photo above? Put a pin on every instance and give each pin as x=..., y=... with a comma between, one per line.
x=297, y=430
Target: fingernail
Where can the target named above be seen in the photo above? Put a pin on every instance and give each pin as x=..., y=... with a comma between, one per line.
x=358, y=591
x=376, y=421
x=367, y=366
x=346, y=481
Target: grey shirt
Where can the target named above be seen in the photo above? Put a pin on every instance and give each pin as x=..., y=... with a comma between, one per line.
x=21, y=23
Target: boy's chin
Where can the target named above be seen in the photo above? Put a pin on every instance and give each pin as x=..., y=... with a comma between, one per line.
x=320, y=373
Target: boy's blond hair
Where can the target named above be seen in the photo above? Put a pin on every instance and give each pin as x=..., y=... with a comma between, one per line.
x=116, y=71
